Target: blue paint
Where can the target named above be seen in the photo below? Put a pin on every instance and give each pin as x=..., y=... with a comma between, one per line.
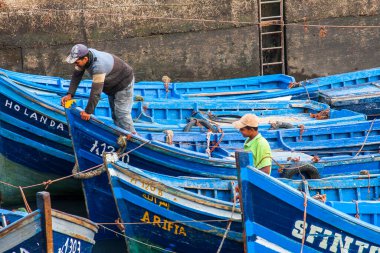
x=276, y=84
x=273, y=211
x=24, y=232
x=363, y=98
x=138, y=192
x=157, y=90
x=40, y=140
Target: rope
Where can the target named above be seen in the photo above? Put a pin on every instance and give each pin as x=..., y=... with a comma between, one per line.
x=126, y=153
x=10, y=6
x=320, y=197
x=230, y=221
x=307, y=92
x=302, y=130
x=217, y=144
x=8, y=184
x=366, y=137
x=86, y=175
x=19, y=10
x=132, y=239
x=147, y=223
x=120, y=225
x=166, y=80
x=357, y=215
x=325, y=114
x=169, y=136
x=208, y=151
x=304, y=221
x=27, y=207
x=366, y=172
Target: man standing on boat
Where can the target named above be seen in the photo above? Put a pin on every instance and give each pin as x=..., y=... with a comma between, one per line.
x=109, y=74
x=248, y=126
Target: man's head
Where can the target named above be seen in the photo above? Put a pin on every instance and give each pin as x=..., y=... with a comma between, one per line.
x=248, y=125
x=78, y=55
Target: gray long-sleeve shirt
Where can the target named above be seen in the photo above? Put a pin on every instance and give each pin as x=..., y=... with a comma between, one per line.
x=109, y=74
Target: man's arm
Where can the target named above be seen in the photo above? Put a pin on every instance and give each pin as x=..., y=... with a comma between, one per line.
x=266, y=169
x=74, y=83
x=96, y=91
x=264, y=153
x=75, y=80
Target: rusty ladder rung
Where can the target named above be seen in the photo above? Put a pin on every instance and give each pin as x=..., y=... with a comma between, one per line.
x=272, y=63
x=268, y=33
x=270, y=17
x=271, y=2
x=270, y=48
x=266, y=21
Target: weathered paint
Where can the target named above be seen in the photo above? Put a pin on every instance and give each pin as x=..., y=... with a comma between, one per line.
x=265, y=203
x=46, y=230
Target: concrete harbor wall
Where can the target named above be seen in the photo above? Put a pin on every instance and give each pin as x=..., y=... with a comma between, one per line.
x=318, y=51
x=36, y=35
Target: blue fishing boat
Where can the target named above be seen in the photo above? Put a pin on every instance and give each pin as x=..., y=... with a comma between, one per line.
x=278, y=218
x=252, y=88
x=176, y=214
x=228, y=88
x=45, y=230
x=207, y=154
x=187, y=115
x=363, y=98
x=156, y=208
x=34, y=131
x=93, y=138
x=19, y=175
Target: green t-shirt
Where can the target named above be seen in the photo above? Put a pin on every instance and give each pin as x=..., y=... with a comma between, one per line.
x=261, y=151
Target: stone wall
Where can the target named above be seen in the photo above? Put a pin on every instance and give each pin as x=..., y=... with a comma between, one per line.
x=36, y=35
x=314, y=52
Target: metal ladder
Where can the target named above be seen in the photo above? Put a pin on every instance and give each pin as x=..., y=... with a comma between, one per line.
x=271, y=36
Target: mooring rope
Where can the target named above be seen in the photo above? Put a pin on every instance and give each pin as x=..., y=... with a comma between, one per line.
x=230, y=220
x=366, y=137
x=132, y=239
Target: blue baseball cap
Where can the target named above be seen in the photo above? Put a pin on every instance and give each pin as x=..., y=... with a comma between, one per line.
x=78, y=51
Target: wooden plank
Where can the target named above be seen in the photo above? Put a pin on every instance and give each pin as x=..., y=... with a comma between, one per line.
x=44, y=205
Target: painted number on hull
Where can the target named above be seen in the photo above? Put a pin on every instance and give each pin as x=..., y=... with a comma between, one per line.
x=100, y=148
x=71, y=246
x=146, y=186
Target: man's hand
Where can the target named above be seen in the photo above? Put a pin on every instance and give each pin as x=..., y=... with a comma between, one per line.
x=65, y=98
x=84, y=115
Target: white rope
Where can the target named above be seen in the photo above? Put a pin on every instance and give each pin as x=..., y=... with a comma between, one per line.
x=230, y=221
x=208, y=151
x=132, y=239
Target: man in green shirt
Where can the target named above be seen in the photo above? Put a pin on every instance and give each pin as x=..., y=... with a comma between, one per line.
x=248, y=126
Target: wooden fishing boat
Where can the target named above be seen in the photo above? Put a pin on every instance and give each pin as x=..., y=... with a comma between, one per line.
x=19, y=175
x=278, y=218
x=93, y=138
x=34, y=132
x=363, y=98
x=174, y=212
x=251, y=88
x=182, y=115
x=228, y=88
x=45, y=230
